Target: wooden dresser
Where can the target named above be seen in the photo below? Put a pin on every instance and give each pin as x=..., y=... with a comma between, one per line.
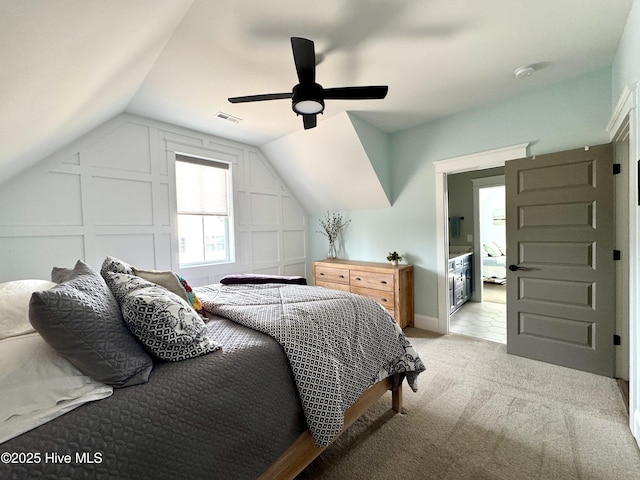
x=390, y=286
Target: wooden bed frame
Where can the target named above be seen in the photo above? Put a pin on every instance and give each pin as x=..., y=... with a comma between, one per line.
x=304, y=450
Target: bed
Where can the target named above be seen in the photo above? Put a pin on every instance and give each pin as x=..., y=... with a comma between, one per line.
x=236, y=407
x=494, y=263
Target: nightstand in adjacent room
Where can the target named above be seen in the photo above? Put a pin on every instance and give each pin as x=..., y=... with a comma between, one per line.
x=390, y=286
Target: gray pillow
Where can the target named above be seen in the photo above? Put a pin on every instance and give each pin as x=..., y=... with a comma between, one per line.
x=165, y=323
x=81, y=320
x=60, y=275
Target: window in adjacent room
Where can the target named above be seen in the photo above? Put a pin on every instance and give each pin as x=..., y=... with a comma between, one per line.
x=202, y=188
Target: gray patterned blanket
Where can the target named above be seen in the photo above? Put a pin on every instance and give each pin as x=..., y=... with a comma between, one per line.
x=338, y=343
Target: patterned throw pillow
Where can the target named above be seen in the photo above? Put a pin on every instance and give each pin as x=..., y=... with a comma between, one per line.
x=167, y=279
x=124, y=283
x=192, y=298
x=167, y=325
x=114, y=265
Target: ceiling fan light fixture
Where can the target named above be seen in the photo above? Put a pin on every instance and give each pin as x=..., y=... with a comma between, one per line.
x=308, y=107
x=307, y=99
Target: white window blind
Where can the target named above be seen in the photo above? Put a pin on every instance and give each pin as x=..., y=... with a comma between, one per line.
x=204, y=211
x=201, y=189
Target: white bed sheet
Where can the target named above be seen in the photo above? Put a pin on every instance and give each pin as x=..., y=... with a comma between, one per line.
x=38, y=385
x=494, y=267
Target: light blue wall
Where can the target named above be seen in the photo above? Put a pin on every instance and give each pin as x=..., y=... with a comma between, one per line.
x=568, y=115
x=376, y=145
x=626, y=66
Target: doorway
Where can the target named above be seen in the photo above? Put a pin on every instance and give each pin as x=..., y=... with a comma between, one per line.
x=479, y=161
x=477, y=236
x=443, y=169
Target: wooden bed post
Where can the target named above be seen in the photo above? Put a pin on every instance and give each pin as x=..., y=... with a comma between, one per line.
x=396, y=399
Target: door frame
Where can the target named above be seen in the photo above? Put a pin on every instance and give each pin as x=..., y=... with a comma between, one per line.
x=465, y=163
x=626, y=111
x=478, y=184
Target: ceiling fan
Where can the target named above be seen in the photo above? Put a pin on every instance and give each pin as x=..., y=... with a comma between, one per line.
x=308, y=97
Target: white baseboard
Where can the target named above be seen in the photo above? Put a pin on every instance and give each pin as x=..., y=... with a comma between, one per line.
x=425, y=323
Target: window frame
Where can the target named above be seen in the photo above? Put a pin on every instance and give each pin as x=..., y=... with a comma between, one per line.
x=207, y=161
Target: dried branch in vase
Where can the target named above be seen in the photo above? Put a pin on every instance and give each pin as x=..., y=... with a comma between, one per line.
x=332, y=225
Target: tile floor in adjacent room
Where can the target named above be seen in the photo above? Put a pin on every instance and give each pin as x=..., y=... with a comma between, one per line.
x=486, y=320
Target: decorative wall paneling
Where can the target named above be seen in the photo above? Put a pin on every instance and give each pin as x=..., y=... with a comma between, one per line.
x=112, y=192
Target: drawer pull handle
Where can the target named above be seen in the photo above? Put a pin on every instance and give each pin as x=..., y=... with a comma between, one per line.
x=341, y=276
x=358, y=278
x=384, y=282
x=384, y=300
x=321, y=274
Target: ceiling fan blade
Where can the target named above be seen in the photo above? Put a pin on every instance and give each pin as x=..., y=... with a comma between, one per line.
x=305, y=59
x=356, y=93
x=259, y=98
x=309, y=121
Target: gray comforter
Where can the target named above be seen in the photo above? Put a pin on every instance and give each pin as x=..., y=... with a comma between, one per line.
x=226, y=415
x=338, y=344
x=231, y=413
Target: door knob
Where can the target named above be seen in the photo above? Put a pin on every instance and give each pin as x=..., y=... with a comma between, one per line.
x=513, y=268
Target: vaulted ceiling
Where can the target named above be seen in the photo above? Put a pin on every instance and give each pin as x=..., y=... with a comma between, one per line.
x=69, y=65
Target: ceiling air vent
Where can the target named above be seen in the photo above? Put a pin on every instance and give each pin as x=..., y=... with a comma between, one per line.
x=227, y=117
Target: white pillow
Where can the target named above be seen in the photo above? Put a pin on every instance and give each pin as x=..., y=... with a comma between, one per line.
x=492, y=249
x=38, y=385
x=14, y=306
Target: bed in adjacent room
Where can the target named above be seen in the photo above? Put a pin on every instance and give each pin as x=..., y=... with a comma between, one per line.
x=155, y=390
x=494, y=263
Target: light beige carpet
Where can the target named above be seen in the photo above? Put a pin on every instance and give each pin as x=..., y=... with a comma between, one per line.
x=482, y=414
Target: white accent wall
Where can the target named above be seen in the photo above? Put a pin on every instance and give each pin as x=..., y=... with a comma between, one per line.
x=112, y=192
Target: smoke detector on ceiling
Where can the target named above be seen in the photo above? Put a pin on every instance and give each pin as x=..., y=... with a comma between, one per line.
x=524, y=71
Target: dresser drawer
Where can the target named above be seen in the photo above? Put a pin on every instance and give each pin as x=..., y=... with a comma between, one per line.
x=332, y=275
x=334, y=286
x=377, y=281
x=386, y=299
x=388, y=285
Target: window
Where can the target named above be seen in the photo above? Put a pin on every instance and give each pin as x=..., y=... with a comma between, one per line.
x=203, y=211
